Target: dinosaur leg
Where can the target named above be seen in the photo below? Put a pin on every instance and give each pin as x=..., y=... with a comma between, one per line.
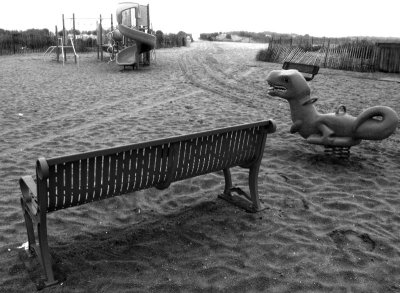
x=325, y=138
x=328, y=139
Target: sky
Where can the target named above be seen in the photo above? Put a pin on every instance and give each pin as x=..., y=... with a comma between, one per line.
x=319, y=18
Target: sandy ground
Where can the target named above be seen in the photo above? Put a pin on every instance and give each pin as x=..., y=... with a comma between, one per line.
x=330, y=225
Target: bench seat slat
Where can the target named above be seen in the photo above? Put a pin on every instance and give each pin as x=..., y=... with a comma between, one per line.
x=188, y=147
x=91, y=179
x=196, y=156
x=204, y=154
x=241, y=156
x=160, y=165
x=226, y=148
x=104, y=184
x=157, y=165
x=236, y=147
x=113, y=170
x=217, y=151
x=188, y=158
x=163, y=169
x=68, y=185
x=52, y=189
x=126, y=165
x=149, y=167
x=60, y=186
x=181, y=154
x=75, y=183
x=230, y=152
x=215, y=154
x=99, y=171
x=84, y=181
x=144, y=167
x=242, y=148
x=249, y=146
x=209, y=153
x=152, y=167
x=119, y=173
x=251, y=141
x=138, y=169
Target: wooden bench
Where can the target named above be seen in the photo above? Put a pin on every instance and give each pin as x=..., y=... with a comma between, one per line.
x=303, y=68
x=73, y=180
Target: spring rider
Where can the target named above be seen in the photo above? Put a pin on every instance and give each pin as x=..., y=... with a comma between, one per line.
x=337, y=131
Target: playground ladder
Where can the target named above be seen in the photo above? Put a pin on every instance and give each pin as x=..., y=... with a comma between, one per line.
x=60, y=40
x=73, y=47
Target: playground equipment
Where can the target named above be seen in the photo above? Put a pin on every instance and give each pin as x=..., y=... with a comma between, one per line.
x=60, y=47
x=131, y=43
x=62, y=42
x=336, y=131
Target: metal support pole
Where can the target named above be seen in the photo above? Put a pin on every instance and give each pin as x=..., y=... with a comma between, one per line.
x=65, y=53
x=101, y=39
x=73, y=27
x=58, y=49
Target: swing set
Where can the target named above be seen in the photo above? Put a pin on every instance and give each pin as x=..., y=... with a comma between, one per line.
x=68, y=42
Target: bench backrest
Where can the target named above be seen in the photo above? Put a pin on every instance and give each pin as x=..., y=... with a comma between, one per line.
x=81, y=178
x=304, y=68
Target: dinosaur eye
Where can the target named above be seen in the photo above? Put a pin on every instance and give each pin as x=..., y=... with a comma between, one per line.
x=286, y=79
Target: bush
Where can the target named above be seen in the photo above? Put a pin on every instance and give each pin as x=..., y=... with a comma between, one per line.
x=34, y=39
x=208, y=37
x=170, y=40
x=264, y=55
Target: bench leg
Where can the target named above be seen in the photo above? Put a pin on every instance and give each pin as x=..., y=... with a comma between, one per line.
x=228, y=181
x=45, y=255
x=253, y=186
x=42, y=250
x=240, y=198
x=29, y=227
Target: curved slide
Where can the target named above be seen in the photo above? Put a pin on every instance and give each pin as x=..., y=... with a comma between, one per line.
x=144, y=42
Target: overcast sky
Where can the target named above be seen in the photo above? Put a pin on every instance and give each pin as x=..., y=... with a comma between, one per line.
x=338, y=18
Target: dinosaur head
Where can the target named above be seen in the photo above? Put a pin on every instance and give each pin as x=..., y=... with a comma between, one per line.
x=288, y=84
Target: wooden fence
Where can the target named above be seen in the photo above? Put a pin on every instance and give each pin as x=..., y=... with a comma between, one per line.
x=351, y=56
x=388, y=59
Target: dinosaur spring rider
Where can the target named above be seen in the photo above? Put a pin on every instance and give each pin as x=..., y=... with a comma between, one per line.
x=336, y=131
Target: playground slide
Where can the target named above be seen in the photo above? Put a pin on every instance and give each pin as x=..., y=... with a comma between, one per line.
x=127, y=56
x=144, y=41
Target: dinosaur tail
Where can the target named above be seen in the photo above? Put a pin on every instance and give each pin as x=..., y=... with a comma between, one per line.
x=376, y=123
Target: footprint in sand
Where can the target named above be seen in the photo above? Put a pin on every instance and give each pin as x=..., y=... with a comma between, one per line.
x=350, y=238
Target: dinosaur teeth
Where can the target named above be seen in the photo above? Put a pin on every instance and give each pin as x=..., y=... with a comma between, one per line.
x=277, y=88
x=274, y=87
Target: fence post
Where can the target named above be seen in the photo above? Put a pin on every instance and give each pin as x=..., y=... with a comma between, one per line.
x=13, y=40
x=326, y=54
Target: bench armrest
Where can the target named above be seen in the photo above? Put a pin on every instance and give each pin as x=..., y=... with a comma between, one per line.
x=29, y=193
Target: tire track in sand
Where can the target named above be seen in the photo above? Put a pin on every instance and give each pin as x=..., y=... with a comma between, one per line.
x=202, y=70
x=150, y=104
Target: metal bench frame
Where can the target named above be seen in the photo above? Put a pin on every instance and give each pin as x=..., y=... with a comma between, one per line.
x=303, y=68
x=74, y=180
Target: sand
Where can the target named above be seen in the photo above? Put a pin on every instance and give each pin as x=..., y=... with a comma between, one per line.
x=330, y=225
